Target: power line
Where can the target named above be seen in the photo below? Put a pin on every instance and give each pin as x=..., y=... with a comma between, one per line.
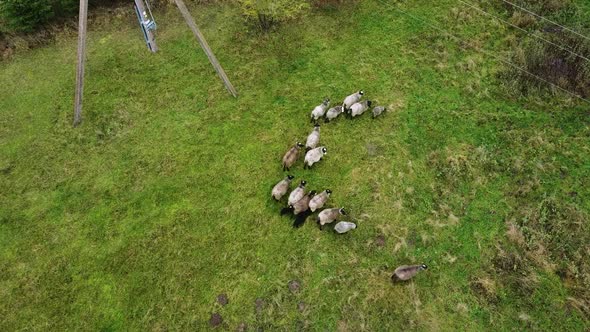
x=521, y=29
x=457, y=39
x=546, y=19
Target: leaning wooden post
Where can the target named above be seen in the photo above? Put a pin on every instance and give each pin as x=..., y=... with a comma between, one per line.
x=81, y=59
x=193, y=26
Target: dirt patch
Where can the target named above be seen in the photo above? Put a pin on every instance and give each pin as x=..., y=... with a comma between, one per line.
x=6, y=169
x=215, y=320
x=6, y=51
x=507, y=262
x=222, y=299
x=259, y=304
x=301, y=306
x=413, y=238
x=380, y=241
x=342, y=326
x=243, y=327
x=301, y=325
x=294, y=286
x=485, y=288
x=373, y=150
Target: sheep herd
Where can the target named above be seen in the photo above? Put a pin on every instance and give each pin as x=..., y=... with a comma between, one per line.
x=302, y=203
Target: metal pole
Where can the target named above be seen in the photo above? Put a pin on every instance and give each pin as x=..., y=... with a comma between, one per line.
x=149, y=34
x=81, y=59
x=193, y=26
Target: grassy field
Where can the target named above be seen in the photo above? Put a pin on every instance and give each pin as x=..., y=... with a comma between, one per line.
x=160, y=201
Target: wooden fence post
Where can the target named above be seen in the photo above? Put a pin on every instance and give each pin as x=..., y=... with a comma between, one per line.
x=193, y=26
x=83, y=20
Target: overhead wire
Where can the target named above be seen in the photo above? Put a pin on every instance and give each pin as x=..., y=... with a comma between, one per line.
x=499, y=58
x=526, y=31
x=546, y=19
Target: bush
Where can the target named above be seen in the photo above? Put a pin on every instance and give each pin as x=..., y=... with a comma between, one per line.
x=267, y=13
x=553, y=64
x=543, y=59
x=27, y=15
x=30, y=15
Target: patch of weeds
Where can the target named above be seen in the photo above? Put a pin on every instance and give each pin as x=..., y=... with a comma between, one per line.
x=486, y=288
x=554, y=236
x=544, y=59
x=461, y=164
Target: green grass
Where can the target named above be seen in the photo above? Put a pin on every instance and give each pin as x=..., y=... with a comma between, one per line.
x=160, y=201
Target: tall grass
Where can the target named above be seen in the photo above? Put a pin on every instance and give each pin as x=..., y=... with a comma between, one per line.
x=543, y=59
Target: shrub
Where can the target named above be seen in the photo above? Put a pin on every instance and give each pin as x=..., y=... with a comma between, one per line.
x=267, y=13
x=523, y=20
x=556, y=237
x=541, y=7
x=554, y=64
x=29, y=15
x=25, y=15
x=543, y=59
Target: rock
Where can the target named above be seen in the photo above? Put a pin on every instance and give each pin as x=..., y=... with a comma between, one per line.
x=215, y=320
x=294, y=286
x=222, y=299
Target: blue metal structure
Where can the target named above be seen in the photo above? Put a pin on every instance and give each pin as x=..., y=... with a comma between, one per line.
x=147, y=24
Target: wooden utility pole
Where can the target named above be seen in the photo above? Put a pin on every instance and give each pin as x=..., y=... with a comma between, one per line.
x=193, y=26
x=148, y=34
x=81, y=59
